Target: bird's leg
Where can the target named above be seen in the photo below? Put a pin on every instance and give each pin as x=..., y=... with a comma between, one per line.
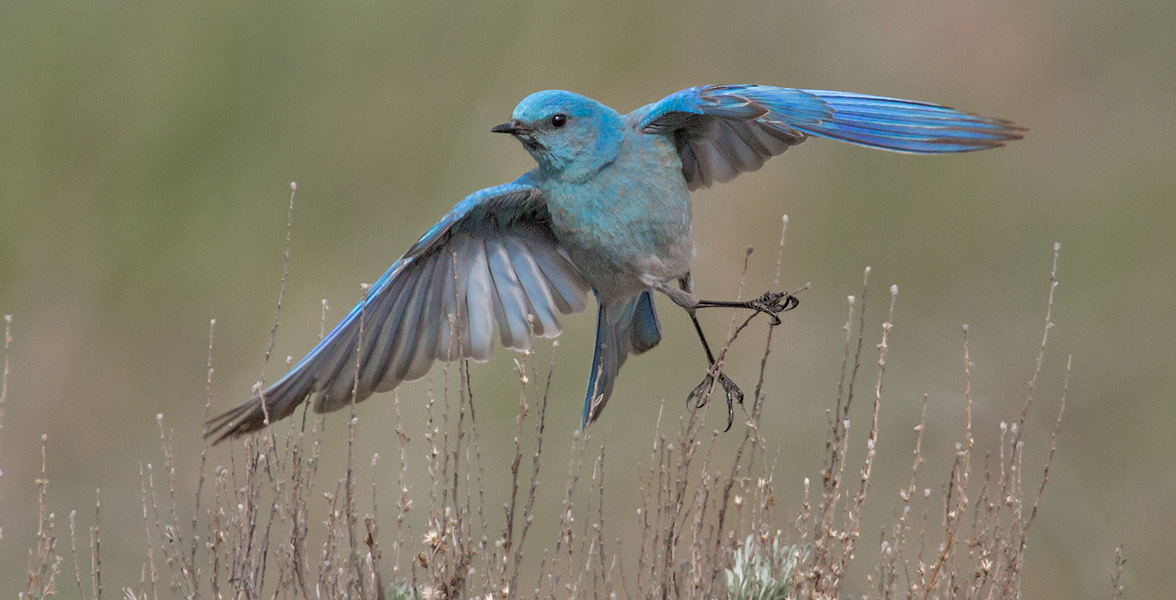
x=683, y=296
x=702, y=391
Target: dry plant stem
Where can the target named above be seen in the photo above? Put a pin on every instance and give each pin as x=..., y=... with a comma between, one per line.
x=433, y=527
x=73, y=550
x=303, y=472
x=651, y=476
x=203, y=460
x=330, y=574
x=183, y=577
x=277, y=314
x=906, y=496
x=598, y=527
x=1014, y=557
x=43, y=566
x=349, y=486
x=1053, y=446
x=4, y=383
x=820, y=579
x=146, y=482
x=956, y=497
x=675, y=500
x=855, y=514
x=165, y=438
x=751, y=432
x=564, y=532
x=739, y=288
x=529, y=508
x=468, y=397
x=1053, y=285
x=780, y=250
x=372, y=540
x=270, y=465
x=4, y=386
x=256, y=547
x=758, y=402
x=701, y=562
x=465, y=534
x=216, y=532
x=508, y=528
x=245, y=519
x=95, y=549
x=405, y=503
x=1117, y=573
x=586, y=548
x=464, y=544
x=987, y=561
x=447, y=458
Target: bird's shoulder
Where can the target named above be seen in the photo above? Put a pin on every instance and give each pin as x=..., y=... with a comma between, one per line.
x=495, y=207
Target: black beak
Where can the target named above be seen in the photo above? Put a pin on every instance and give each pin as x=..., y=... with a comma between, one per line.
x=512, y=127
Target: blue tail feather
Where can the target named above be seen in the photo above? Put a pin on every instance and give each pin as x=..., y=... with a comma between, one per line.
x=622, y=328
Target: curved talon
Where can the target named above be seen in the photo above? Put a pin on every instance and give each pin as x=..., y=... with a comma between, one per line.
x=771, y=303
x=781, y=300
x=700, y=395
x=765, y=309
x=733, y=394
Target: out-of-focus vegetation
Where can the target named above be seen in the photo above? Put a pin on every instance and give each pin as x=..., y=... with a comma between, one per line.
x=704, y=528
x=145, y=151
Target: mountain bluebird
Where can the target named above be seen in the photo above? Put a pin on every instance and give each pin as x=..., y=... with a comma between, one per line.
x=607, y=210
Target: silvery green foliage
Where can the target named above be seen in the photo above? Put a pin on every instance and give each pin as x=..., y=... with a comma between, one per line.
x=761, y=572
x=402, y=590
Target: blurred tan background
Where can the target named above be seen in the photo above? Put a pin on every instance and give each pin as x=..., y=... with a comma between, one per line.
x=146, y=149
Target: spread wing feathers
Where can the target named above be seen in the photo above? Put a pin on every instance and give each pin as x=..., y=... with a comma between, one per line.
x=724, y=130
x=492, y=260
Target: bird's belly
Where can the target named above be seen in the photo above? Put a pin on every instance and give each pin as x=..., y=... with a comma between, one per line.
x=625, y=239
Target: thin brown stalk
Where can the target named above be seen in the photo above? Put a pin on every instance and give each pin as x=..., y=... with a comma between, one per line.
x=260, y=385
x=4, y=384
x=73, y=548
x=1117, y=573
x=149, y=566
x=349, y=485
x=1053, y=285
x=44, y=564
x=855, y=513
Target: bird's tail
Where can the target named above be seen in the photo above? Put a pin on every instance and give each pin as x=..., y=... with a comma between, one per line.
x=622, y=327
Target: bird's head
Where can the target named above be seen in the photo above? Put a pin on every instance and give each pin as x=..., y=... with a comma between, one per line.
x=569, y=135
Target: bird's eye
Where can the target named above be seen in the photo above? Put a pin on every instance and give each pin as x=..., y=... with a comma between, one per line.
x=559, y=120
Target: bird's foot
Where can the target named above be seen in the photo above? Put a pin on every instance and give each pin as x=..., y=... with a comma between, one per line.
x=699, y=396
x=771, y=303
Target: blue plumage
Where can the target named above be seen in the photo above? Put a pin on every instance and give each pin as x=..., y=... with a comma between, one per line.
x=608, y=210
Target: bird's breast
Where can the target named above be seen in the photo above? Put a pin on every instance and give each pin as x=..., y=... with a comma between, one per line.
x=628, y=226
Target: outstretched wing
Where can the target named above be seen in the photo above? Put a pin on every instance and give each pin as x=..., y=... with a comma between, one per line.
x=492, y=259
x=724, y=130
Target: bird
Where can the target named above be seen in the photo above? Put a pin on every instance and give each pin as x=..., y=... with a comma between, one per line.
x=606, y=210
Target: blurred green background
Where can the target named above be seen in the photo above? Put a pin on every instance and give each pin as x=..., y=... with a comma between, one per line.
x=146, y=149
